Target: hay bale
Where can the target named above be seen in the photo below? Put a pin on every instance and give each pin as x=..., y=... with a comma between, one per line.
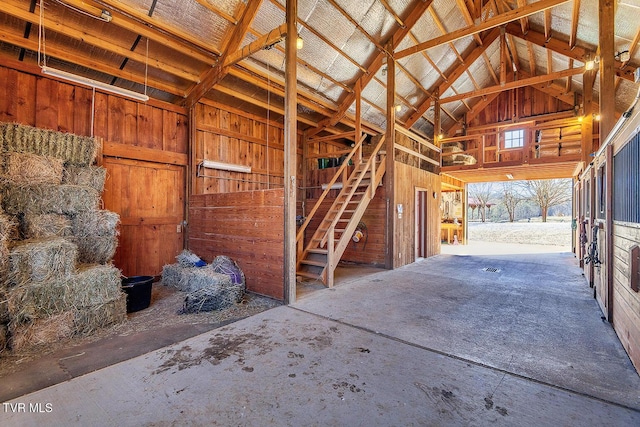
x=42, y=331
x=96, y=249
x=208, y=290
x=91, y=285
x=4, y=263
x=172, y=275
x=71, y=149
x=4, y=337
x=8, y=228
x=41, y=259
x=89, y=176
x=4, y=305
x=91, y=318
x=46, y=225
x=95, y=222
x=47, y=198
x=25, y=168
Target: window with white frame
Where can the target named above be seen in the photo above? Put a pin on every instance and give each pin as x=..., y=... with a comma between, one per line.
x=514, y=138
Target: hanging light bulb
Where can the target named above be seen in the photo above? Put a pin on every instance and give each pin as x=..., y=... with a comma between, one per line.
x=299, y=43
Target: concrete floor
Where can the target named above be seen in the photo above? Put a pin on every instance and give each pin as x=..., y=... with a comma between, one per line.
x=438, y=342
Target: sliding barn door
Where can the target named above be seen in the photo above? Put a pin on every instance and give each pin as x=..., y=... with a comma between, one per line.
x=150, y=198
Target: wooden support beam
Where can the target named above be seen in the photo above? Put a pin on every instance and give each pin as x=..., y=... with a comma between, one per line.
x=390, y=139
x=436, y=120
x=587, y=115
x=496, y=21
x=573, y=37
x=290, y=153
x=147, y=31
x=212, y=76
x=606, y=43
x=515, y=84
x=143, y=17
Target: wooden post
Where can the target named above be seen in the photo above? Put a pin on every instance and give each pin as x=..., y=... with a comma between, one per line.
x=390, y=159
x=587, y=116
x=358, y=119
x=607, y=121
x=436, y=118
x=330, y=254
x=290, y=153
x=607, y=71
x=609, y=228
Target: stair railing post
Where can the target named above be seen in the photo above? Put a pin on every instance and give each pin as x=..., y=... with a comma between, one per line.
x=372, y=185
x=330, y=254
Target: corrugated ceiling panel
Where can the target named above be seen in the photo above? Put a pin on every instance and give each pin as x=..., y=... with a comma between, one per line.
x=329, y=22
x=343, y=70
x=420, y=69
x=423, y=127
x=376, y=117
x=359, y=48
x=190, y=17
x=269, y=16
x=376, y=93
x=379, y=23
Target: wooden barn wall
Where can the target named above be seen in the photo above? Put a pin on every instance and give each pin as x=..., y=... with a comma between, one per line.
x=526, y=103
x=626, y=302
x=233, y=136
x=408, y=180
x=246, y=226
x=144, y=152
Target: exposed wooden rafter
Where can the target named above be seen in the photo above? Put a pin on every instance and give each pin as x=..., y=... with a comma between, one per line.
x=489, y=38
x=212, y=76
x=515, y=84
x=496, y=21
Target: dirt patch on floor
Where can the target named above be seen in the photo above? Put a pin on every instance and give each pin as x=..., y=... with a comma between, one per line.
x=163, y=311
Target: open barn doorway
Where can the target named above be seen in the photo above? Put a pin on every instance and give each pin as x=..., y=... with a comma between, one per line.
x=508, y=217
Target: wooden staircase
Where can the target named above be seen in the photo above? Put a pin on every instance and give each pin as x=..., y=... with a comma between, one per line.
x=319, y=258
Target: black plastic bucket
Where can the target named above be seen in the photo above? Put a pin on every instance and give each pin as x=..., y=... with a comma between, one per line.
x=138, y=290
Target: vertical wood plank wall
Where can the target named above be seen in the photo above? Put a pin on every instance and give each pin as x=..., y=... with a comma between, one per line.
x=240, y=215
x=145, y=146
x=232, y=136
x=626, y=302
x=246, y=226
x=404, y=246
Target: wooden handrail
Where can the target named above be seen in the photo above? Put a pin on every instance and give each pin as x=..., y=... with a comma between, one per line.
x=338, y=173
x=371, y=161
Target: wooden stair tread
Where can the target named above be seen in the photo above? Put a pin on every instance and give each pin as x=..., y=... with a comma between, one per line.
x=318, y=250
x=314, y=263
x=308, y=275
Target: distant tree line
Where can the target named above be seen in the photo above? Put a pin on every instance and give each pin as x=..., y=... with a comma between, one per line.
x=515, y=200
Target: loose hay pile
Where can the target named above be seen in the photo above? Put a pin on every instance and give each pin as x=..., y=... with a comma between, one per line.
x=56, y=246
x=208, y=288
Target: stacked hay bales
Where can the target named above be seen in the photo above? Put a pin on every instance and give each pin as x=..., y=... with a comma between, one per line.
x=56, y=245
x=208, y=287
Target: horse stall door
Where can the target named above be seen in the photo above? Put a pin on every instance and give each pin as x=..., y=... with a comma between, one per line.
x=150, y=199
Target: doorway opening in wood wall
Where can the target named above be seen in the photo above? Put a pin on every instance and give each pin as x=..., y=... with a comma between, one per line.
x=421, y=223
